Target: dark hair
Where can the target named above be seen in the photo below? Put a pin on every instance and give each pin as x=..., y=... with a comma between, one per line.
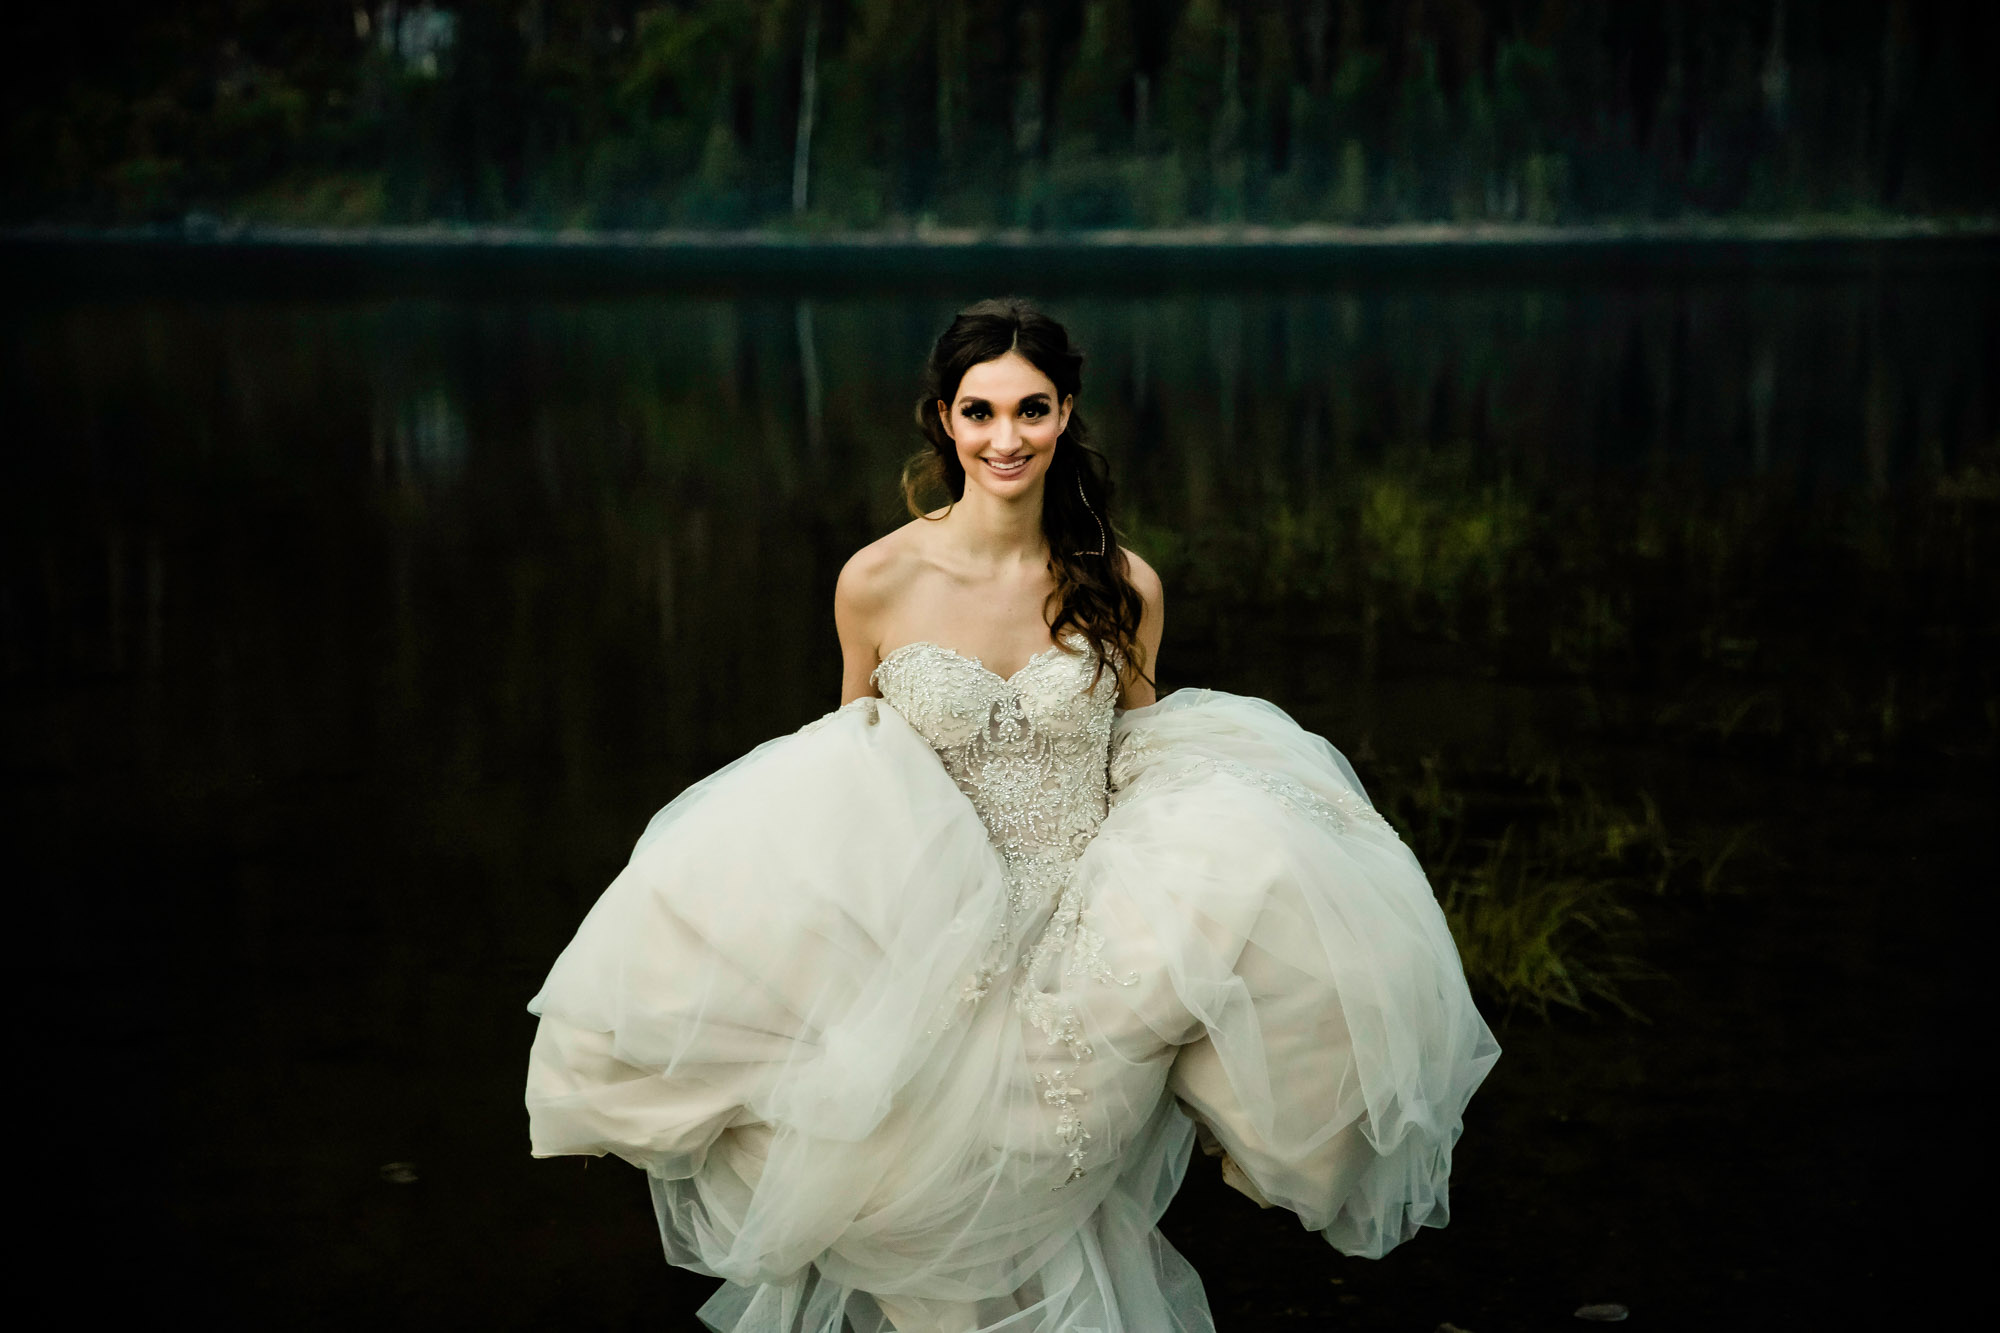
x=1093, y=593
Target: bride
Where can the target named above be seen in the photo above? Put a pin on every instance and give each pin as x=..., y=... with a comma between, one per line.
x=914, y=1017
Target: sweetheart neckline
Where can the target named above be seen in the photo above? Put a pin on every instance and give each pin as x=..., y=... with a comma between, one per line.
x=894, y=653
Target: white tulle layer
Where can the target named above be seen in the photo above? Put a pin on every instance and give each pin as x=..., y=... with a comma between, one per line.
x=769, y=1012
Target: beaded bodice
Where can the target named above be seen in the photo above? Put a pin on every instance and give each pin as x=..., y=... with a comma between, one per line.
x=1029, y=750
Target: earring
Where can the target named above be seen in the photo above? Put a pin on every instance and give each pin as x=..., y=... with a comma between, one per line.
x=1102, y=540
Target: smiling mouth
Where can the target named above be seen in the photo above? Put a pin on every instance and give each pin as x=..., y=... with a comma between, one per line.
x=1008, y=467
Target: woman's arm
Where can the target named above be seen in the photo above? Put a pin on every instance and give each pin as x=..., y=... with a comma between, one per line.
x=856, y=604
x=1135, y=690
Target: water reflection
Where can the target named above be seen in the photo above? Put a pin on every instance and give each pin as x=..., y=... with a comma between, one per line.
x=420, y=439
x=671, y=483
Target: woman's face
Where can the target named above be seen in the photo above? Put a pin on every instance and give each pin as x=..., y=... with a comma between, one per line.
x=1005, y=421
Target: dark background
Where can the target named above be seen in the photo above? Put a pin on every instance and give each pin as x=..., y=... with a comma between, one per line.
x=358, y=611
x=980, y=113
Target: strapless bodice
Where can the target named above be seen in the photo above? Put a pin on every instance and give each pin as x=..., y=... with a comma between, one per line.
x=1029, y=750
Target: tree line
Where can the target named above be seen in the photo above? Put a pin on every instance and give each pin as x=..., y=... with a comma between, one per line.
x=1048, y=114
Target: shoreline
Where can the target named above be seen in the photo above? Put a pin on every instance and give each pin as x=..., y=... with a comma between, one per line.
x=202, y=229
x=207, y=252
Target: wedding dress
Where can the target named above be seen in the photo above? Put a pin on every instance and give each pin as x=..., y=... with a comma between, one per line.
x=907, y=1045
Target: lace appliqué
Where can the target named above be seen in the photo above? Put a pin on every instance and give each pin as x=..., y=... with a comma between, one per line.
x=1130, y=752
x=1029, y=751
x=1132, y=771
x=1058, y=1017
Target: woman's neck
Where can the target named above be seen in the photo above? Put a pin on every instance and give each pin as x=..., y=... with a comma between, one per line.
x=989, y=531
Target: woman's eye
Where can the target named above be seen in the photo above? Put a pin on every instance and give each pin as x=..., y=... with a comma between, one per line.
x=974, y=414
x=1034, y=410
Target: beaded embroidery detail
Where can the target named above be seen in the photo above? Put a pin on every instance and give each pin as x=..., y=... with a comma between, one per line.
x=1131, y=770
x=1029, y=751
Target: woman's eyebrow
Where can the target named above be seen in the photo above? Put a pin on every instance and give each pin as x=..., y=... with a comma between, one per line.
x=1038, y=396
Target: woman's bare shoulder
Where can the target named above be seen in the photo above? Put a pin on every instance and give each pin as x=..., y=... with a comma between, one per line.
x=875, y=574
x=1144, y=579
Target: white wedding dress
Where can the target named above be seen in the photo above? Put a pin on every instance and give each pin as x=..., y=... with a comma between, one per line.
x=917, y=1045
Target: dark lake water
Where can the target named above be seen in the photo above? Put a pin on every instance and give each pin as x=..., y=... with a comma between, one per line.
x=349, y=644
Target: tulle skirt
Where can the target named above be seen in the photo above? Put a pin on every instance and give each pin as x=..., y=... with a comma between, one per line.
x=867, y=1099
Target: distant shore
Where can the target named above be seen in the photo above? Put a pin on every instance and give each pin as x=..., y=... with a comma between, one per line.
x=210, y=250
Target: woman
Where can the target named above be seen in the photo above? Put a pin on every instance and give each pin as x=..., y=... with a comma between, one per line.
x=914, y=1016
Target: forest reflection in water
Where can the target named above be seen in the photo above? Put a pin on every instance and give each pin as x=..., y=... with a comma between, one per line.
x=349, y=645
